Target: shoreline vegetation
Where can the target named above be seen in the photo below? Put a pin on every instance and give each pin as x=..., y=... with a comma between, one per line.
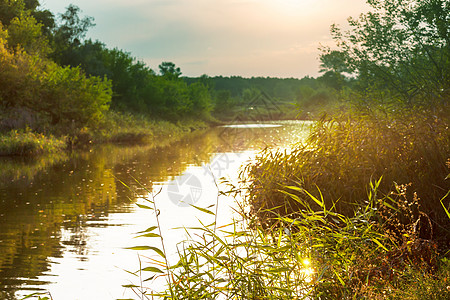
x=117, y=129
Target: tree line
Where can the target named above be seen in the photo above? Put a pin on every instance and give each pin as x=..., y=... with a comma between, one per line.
x=52, y=76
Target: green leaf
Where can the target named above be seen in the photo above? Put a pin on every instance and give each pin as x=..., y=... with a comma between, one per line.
x=130, y=286
x=150, y=278
x=157, y=250
x=442, y=203
x=152, y=269
x=339, y=277
x=278, y=270
x=32, y=295
x=144, y=206
x=149, y=229
x=319, y=202
x=203, y=209
x=379, y=244
x=139, y=248
x=150, y=234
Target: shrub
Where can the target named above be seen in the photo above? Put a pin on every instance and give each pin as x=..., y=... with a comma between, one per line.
x=59, y=96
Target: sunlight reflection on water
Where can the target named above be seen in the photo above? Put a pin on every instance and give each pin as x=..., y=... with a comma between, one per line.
x=257, y=125
x=95, y=216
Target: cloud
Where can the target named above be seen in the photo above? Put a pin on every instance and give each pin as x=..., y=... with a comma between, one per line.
x=241, y=37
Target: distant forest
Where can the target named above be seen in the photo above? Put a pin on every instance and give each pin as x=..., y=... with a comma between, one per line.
x=292, y=97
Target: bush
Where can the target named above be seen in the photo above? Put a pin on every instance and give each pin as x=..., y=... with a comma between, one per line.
x=67, y=95
x=59, y=96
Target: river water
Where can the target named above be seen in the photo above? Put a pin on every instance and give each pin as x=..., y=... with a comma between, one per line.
x=65, y=222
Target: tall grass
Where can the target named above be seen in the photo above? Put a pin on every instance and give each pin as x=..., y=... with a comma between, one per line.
x=319, y=254
x=345, y=152
x=27, y=143
x=121, y=128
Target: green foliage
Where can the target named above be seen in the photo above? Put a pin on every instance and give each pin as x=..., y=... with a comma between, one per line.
x=11, y=9
x=73, y=28
x=56, y=95
x=69, y=34
x=200, y=97
x=223, y=100
x=71, y=97
x=333, y=60
x=236, y=97
x=136, y=88
x=400, y=47
x=25, y=32
x=278, y=88
x=169, y=70
x=13, y=69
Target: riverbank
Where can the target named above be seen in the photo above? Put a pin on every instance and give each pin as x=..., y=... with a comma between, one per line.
x=115, y=128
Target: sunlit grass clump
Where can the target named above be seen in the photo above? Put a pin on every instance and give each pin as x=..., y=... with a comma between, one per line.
x=128, y=129
x=24, y=143
x=345, y=152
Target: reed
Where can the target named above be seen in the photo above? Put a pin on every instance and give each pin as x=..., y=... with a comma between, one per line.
x=316, y=254
x=346, y=151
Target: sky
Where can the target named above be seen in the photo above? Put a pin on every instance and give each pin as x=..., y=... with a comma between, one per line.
x=275, y=38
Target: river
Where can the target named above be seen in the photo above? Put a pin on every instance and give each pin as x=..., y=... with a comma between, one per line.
x=65, y=222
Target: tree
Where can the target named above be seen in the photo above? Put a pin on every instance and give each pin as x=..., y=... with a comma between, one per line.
x=333, y=80
x=169, y=70
x=70, y=34
x=200, y=98
x=402, y=47
x=68, y=96
x=333, y=60
x=55, y=95
x=223, y=100
x=26, y=32
x=73, y=29
x=11, y=9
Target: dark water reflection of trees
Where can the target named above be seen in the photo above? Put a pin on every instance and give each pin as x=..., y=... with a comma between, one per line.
x=39, y=198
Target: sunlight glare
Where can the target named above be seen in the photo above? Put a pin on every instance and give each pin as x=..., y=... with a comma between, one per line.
x=306, y=262
x=307, y=270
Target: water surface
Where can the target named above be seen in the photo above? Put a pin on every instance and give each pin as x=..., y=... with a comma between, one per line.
x=65, y=222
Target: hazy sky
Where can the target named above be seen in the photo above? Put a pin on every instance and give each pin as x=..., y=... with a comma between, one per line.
x=277, y=38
